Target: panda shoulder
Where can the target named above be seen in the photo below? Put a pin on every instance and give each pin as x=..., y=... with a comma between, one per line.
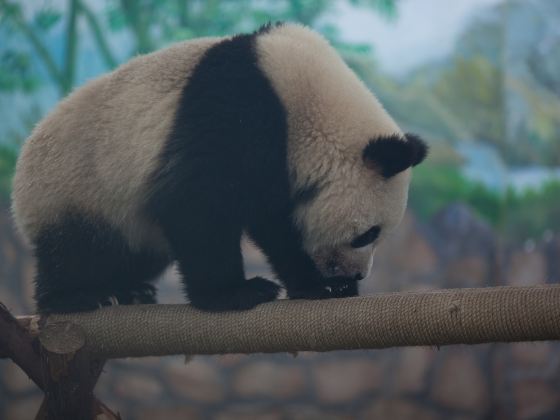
x=294, y=32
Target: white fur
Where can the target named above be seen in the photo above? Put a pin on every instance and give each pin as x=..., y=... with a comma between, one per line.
x=96, y=149
x=331, y=118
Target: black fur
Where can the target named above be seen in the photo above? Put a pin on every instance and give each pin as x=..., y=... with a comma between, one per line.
x=82, y=263
x=393, y=154
x=267, y=27
x=305, y=194
x=224, y=170
x=366, y=238
x=419, y=146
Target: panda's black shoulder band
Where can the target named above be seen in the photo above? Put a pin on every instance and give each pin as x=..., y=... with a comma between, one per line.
x=267, y=27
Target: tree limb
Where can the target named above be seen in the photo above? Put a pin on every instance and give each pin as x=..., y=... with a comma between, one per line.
x=39, y=47
x=436, y=318
x=71, y=47
x=103, y=45
x=17, y=343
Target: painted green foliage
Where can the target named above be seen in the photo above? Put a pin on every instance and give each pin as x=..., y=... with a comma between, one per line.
x=151, y=25
x=473, y=89
x=468, y=96
x=518, y=215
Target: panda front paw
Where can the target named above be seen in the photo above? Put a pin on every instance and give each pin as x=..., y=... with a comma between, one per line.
x=141, y=294
x=76, y=301
x=334, y=287
x=342, y=287
x=250, y=294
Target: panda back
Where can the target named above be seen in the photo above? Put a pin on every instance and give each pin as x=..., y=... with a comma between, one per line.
x=95, y=151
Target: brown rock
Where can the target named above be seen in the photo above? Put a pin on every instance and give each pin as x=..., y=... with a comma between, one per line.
x=267, y=379
x=460, y=383
x=104, y=386
x=8, y=253
x=410, y=251
x=137, y=387
x=552, y=251
x=306, y=412
x=418, y=256
x=22, y=409
x=311, y=355
x=10, y=301
x=470, y=271
x=116, y=371
x=399, y=409
x=342, y=381
x=531, y=355
x=229, y=360
x=412, y=369
x=15, y=380
x=535, y=398
x=167, y=413
x=419, y=287
x=198, y=380
x=147, y=362
x=250, y=412
x=458, y=231
x=526, y=268
x=473, y=417
x=401, y=260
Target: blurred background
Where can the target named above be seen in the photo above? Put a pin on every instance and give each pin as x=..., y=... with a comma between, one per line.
x=479, y=79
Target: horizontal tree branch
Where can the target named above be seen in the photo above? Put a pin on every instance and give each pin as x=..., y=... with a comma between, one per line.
x=436, y=318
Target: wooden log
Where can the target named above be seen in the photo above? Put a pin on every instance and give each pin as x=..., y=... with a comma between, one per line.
x=434, y=318
x=17, y=342
x=67, y=374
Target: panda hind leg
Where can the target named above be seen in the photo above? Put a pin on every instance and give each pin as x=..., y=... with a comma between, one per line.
x=83, y=263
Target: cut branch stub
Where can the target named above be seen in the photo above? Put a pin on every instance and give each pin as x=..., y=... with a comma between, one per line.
x=67, y=372
x=62, y=338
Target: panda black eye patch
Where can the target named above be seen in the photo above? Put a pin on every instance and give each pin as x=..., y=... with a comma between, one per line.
x=366, y=238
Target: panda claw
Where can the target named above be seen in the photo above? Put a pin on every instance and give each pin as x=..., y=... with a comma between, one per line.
x=335, y=288
x=109, y=301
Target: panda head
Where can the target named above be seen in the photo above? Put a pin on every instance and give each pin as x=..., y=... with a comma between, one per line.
x=349, y=163
x=358, y=204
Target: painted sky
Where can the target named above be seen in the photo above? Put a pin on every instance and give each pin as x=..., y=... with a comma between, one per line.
x=423, y=30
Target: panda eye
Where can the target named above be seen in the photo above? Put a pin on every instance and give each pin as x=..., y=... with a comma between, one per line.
x=366, y=238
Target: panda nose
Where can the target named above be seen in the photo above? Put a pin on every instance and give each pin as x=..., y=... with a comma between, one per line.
x=333, y=267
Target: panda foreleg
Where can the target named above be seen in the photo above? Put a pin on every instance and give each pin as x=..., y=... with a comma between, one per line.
x=205, y=240
x=282, y=245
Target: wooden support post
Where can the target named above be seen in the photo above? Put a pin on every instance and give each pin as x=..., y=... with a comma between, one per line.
x=66, y=371
x=17, y=344
x=60, y=350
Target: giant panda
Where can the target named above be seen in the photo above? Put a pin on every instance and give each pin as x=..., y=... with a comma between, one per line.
x=174, y=155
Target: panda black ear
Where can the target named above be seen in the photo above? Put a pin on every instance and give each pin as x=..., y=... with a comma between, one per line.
x=419, y=146
x=393, y=154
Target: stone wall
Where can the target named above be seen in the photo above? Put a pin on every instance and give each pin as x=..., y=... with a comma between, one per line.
x=504, y=381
